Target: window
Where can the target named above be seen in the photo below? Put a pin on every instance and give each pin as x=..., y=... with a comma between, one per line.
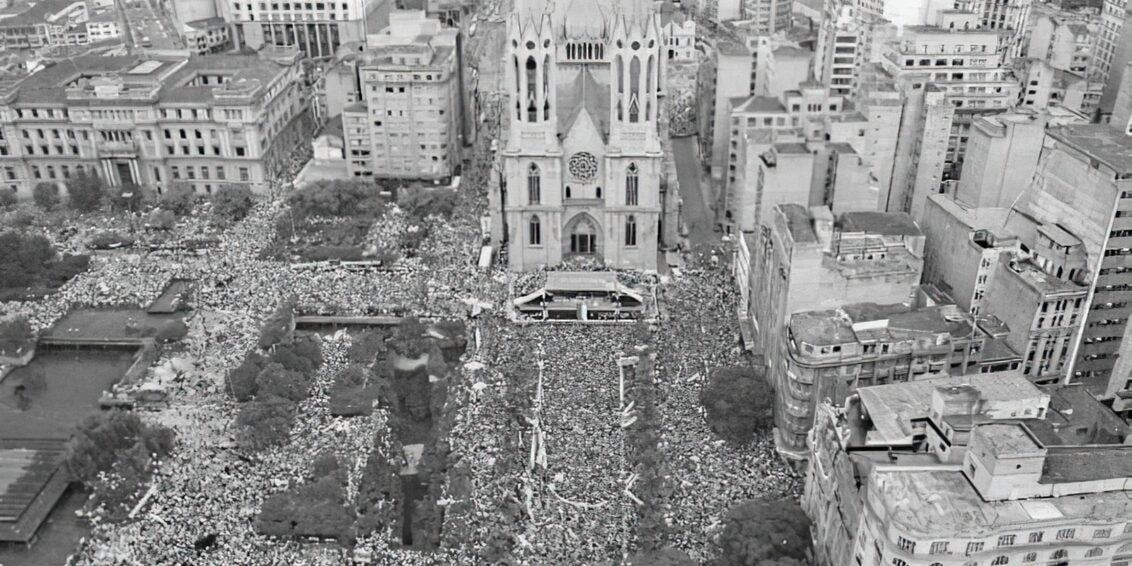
x=1006, y=540
x=999, y=560
x=632, y=185
x=1094, y=552
x=1059, y=554
x=938, y=547
x=631, y=231
x=898, y=562
x=534, y=184
x=220, y=174
x=1030, y=557
x=1066, y=534
x=244, y=176
x=534, y=231
x=905, y=544
x=1036, y=537
x=973, y=547
x=1103, y=533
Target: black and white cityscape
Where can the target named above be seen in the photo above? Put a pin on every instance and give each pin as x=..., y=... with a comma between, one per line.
x=565, y=282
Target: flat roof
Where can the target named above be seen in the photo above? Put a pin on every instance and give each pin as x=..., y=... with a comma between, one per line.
x=883, y=223
x=932, y=501
x=1098, y=141
x=31, y=483
x=1059, y=235
x=1007, y=438
x=799, y=222
x=581, y=281
x=757, y=103
x=1066, y=464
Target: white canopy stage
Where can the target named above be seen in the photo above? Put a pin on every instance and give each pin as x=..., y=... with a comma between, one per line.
x=583, y=296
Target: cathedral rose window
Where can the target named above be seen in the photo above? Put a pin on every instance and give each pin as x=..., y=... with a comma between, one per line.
x=583, y=166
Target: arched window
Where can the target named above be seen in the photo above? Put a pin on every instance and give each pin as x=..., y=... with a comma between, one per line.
x=534, y=184
x=532, y=82
x=1059, y=554
x=631, y=230
x=1094, y=552
x=534, y=232
x=1000, y=560
x=546, y=88
x=634, y=89
x=632, y=185
x=568, y=195
x=619, y=69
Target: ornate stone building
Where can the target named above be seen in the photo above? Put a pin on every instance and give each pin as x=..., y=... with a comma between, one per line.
x=582, y=160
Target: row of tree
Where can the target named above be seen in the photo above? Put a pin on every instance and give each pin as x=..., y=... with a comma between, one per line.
x=30, y=261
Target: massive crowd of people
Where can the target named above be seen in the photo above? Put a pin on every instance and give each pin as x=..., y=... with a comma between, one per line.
x=571, y=506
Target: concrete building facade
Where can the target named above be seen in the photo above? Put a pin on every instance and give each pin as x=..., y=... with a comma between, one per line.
x=201, y=121
x=983, y=469
x=406, y=123
x=315, y=28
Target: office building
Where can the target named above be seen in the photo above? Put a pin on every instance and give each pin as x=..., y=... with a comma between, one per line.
x=407, y=118
x=582, y=160
x=1045, y=87
x=951, y=72
x=848, y=38
x=980, y=469
x=201, y=121
x=828, y=354
x=315, y=28
x=1114, y=50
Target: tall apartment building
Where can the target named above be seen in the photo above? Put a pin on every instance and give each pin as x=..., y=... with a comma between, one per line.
x=1003, y=151
x=315, y=28
x=406, y=123
x=980, y=469
x=1083, y=188
x=1114, y=50
x=1067, y=41
x=768, y=16
x=774, y=65
x=808, y=135
x=1010, y=15
x=1047, y=87
x=951, y=73
x=848, y=38
x=203, y=121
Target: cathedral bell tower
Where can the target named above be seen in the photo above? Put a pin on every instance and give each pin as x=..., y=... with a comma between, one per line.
x=634, y=81
x=531, y=81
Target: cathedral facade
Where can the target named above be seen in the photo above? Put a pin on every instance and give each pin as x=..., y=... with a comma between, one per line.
x=582, y=162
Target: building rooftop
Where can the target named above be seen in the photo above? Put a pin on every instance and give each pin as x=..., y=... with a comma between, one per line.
x=929, y=502
x=1067, y=464
x=791, y=148
x=36, y=13
x=822, y=328
x=1035, y=278
x=783, y=51
x=1098, y=141
x=1059, y=235
x=799, y=222
x=882, y=223
x=732, y=48
x=584, y=94
x=757, y=104
x=1007, y=439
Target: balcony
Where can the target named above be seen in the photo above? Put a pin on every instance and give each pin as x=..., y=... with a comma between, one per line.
x=114, y=148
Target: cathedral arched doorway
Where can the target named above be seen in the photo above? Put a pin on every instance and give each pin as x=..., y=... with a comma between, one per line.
x=583, y=236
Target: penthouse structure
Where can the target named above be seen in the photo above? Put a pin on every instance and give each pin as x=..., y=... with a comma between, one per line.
x=202, y=121
x=979, y=469
x=315, y=28
x=407, y=120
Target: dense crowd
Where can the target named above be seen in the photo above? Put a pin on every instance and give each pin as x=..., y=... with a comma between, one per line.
x=565, y=502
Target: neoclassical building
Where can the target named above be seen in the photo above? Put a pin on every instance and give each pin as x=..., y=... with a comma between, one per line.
x=582, y=161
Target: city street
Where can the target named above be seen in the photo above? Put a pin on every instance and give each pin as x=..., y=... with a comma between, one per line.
x=697, y=216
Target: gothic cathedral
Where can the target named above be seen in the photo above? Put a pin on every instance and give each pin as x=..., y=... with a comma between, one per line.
x=582, y=161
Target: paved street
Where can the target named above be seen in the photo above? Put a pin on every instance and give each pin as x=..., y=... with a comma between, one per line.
x=697, y=217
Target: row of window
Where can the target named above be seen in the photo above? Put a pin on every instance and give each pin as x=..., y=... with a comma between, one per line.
x=585, y=242
x=1060, y=554
x=975, y=547
x=632, y=185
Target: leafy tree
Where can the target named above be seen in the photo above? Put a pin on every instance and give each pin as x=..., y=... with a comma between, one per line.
x=24, y=258
x=46, y=195
x=105, y=437
x=8, y=199
x=765, y=531
x=379, y=494
x=423, y=202
x=280, y=326
x=16, y=336
x=409, y=338
x=179, y=198
x=738, y=403
x=231, y=203
x=278, y=381
x=242, y=379
x=315, y=509
x=265, y=422
x=350, y=197
x=367, y=346
x=667, y=556
x=161, y=219
x=172, y=331
x=86, y=191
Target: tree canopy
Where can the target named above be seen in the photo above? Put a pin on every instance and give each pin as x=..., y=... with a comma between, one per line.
x=16, y=336
x=179, y=198
x=103, y=438
x=765, y=531
x=351, y=197
x=86, y=191
x=46, y=195
x=738, y=403
x=231, y=203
